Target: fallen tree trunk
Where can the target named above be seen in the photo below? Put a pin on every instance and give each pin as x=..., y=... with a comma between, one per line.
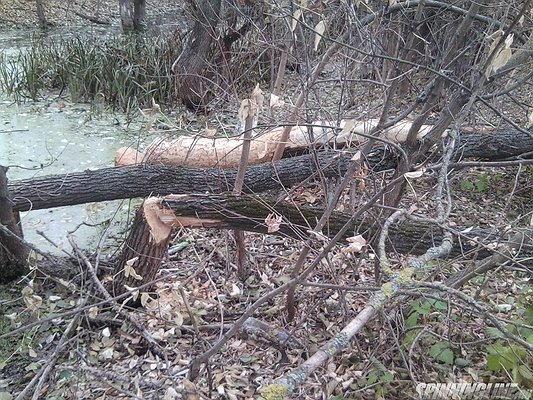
x=225, y=152
x=250, y=213
x=145, y=180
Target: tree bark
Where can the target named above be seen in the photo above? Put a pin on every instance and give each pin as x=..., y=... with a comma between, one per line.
x=41, y=16
x=143, y=252
x=145, y=180
x=249, y=213
x=13, y=253
x=139, y=15
x=192, y=69
x=132, y=15
x=126, y=14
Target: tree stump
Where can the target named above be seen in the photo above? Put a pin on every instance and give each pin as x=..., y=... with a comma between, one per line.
x=13, y=252
x=143, y=252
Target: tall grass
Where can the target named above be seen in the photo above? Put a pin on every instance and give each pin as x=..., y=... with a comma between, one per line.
x=126, y=71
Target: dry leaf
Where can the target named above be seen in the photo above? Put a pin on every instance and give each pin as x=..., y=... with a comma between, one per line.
x=258, y=97
x=130, y=271
x=133, y=292
x=529, y=124
x=32, y=352
x=145, y=299
x=32, y=301
x=93, y=312
x=295, y=18
x=320, y=28
x=415, y=174
x=209, y=133
x=107, y=354
x=356, y=156
x=132, y=261
x=309, y=197
x=275, y=102
x=273, y=222
x=356, y=244
x=235, y=291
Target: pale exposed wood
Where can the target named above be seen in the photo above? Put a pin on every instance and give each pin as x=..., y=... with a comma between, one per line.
x=226, y=152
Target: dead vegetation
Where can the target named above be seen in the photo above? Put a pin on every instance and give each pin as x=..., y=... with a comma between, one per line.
x=319, y=316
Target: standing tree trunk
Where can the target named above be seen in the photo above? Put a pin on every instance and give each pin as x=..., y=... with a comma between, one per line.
x=132, y=14
x=139, y=15
x=13, y=253
x=40, y=14
x=192, y=67
x=204, y=63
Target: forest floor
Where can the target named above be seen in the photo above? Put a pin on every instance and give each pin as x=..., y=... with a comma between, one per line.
x=199, y=296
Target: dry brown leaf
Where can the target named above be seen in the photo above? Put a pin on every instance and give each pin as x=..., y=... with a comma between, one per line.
x=356, y=244
x=258, y=97
x=356, y=156
x=209, y=133
x=295, y=18
x=273, y=221
x=320, y=28
x=130, y=271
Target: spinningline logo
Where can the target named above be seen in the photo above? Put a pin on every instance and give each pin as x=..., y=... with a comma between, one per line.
x=473, y=391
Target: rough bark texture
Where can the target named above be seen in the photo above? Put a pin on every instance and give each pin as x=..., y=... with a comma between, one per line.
x=126, y=14
x=41, y=16
x=249, y=213
x=13, y=253
x=192, y=66
x=132, y=14
x=144, y=180
x=139, y=15
x=149, y=254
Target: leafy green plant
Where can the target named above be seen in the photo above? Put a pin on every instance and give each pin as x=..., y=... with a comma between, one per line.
x=422, y=308
x=511, y=358
x=441, y=352
x=379, y=378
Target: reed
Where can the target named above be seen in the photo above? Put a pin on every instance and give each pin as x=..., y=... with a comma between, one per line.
x=126, y=71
